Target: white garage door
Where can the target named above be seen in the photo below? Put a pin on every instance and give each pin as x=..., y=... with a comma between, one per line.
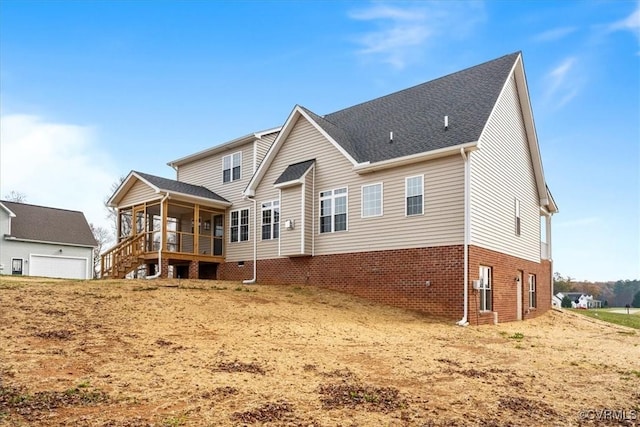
x=58, y=266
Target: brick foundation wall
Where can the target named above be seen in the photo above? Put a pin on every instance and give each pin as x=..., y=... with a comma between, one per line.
x=504, y=270
x=397, y=278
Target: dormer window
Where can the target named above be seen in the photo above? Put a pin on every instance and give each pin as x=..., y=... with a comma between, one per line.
x=231, y=167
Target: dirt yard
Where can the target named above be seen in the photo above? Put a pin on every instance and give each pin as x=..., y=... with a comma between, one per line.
x=140, y=353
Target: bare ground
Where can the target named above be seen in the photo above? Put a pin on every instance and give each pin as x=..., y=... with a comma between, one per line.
x=140, y=353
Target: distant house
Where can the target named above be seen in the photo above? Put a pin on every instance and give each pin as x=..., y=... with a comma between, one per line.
x=432, y=198
x=43, y=241
x=580, y=300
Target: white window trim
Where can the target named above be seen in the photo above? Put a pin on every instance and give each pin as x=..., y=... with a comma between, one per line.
x=406, y=181
x=21, y=265
x=240, y=225
x=533, y=290
x=230, y=156
x=484, y=288
x=362, y=215
x=271, y=208
x=517, y=218
x=333, y=209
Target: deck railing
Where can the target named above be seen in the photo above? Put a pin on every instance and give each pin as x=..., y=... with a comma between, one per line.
x=123, y=258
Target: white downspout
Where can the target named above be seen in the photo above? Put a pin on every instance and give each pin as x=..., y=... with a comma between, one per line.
x=255, y=243
x=464, y=321
x=159, y=272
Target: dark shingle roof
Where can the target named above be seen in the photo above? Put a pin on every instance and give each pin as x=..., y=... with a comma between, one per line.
x=295, y=171
x=181, y=187
x=416, y=115
x=49, y=224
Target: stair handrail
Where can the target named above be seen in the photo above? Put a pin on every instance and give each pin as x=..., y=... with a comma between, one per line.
x=130, y=247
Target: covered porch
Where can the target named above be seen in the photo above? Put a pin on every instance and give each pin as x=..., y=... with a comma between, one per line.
x=165, y=229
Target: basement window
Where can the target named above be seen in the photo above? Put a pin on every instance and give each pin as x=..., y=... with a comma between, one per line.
x=532, y=291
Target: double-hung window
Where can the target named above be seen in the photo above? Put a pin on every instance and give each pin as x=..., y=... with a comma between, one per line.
x=414, y=190
x=239, y=231
x=371, y=200
x=231, y=167
x=271, y=220
x=333, y=210
x=532, y=291
x=485, y=288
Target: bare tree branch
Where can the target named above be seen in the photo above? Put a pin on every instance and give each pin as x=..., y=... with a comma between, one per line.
x=16, y=196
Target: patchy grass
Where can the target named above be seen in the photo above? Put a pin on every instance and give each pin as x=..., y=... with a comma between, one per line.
x=237, y=366
x=628, y=320
x=141, y=353
x=356, y=395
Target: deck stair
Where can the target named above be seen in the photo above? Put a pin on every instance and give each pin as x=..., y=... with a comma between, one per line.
x=123, y=258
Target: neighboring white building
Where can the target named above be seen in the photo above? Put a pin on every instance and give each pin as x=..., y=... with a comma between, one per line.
x=578, y=300
x=586, y=301
x=43, y=241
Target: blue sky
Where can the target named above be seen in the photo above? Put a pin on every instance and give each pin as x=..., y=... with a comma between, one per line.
x=91, y=90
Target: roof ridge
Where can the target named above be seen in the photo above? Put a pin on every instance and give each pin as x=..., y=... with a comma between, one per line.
x=419, y=84
x=41, y=206
x=169, y=179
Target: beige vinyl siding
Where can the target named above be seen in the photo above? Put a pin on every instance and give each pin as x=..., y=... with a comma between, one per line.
x=442, y=221
x=291, y=240
x=240, y=251
x=208, y=173
x=262, y=146
x=269, y=248
x=309, y=205
x=501, y=172
x=139, y=192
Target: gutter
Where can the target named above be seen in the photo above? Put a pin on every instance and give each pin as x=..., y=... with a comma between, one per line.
x=464, y=321
x=162, y=233
x=368, y=167
x=255, y=242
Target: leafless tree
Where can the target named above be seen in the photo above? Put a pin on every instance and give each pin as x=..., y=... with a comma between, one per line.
x=103, y=237
x=16, y=196
x=112, y=213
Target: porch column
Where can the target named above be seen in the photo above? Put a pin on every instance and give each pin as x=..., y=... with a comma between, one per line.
x=165, y=215
x=118, y=225
x=194, y=267
x=196, y=234
x=164, y=268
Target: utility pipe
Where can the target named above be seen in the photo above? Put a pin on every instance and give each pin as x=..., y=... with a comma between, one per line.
x=255, y=242
x=464, y=321
x=162, y=232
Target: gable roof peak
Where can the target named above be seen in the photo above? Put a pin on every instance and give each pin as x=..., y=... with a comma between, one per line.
x=49, y=224
x=416, y=114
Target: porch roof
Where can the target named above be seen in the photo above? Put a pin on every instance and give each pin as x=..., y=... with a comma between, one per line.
x=167, y=186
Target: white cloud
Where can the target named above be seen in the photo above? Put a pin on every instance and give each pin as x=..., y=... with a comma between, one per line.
x=56, y=165
x=630, y=23
x=402, y=32
x=563, y=83
x=554, y=34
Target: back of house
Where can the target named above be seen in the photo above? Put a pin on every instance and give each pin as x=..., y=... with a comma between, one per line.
x=432, y=198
